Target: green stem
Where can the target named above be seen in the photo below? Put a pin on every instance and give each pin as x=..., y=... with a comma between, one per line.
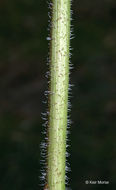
x=58, y=98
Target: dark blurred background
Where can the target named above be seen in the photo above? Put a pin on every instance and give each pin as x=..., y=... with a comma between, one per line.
x=23, y=58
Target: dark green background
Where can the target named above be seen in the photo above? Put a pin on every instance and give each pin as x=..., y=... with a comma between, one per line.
x=23, y=58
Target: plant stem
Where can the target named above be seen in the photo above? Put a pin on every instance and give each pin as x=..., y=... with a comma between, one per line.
x=58, y=98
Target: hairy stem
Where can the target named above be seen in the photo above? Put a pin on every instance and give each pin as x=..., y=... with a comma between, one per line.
x=58, y=98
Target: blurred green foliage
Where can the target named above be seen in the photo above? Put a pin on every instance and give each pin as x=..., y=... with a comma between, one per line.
x=23, y=52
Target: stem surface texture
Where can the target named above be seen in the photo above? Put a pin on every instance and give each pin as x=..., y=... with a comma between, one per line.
x=58, y=97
